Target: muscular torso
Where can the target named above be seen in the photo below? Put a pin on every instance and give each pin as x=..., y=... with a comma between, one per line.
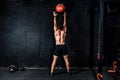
x=60, y=36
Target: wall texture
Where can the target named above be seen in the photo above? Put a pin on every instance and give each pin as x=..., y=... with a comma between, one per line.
x=26, y=32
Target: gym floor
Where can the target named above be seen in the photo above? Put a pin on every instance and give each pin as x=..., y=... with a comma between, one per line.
x=43, y=74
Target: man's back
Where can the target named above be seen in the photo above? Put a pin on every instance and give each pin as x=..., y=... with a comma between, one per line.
x=60, y=36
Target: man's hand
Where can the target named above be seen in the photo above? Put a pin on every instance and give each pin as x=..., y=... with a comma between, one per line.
x=64, y=14
x=54, y=13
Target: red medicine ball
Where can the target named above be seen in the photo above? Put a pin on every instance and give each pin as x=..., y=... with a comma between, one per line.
x=60, y=8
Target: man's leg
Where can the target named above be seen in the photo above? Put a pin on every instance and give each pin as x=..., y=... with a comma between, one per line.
x=67, y=63
x=53, y=63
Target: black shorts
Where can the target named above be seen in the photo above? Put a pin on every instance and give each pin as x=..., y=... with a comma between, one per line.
x=60, y=50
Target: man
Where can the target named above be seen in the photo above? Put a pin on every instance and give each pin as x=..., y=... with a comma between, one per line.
x=60, y=48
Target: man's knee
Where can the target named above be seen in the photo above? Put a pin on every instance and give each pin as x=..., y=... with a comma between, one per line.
x=67, y=63
x=53, y=64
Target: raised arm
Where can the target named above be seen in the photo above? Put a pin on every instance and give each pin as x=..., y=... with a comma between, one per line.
x=55, y=23
x=64, y=23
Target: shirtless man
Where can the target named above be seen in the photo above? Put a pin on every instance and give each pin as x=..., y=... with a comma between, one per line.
x=60, y=48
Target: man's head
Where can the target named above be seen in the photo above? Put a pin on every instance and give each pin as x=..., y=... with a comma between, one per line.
x=60, y=27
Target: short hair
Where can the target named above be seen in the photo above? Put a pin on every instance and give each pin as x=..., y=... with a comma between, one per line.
x=60, y=27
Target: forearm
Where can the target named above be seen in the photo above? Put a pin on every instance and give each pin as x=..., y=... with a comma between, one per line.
x=55, y=23
x=64, y=23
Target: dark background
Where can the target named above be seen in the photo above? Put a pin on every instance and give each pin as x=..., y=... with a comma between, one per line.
x=27, y=37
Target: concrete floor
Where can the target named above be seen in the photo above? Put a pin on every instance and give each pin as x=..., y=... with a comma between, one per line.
x=43, y=74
